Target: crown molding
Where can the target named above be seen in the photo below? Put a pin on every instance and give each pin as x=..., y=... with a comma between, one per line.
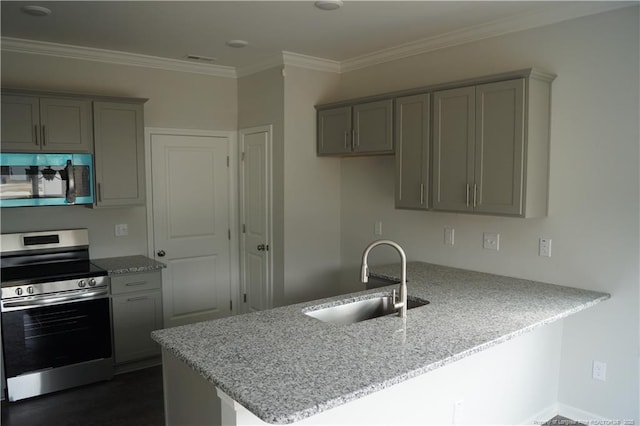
x=310, y=62
x=113, y=57
x=535, y=19
x=539, y=18
x=290, y=59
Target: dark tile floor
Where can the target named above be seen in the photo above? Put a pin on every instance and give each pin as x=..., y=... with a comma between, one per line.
x=133, y=398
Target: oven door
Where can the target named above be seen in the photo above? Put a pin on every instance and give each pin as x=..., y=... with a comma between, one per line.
x=47, y=337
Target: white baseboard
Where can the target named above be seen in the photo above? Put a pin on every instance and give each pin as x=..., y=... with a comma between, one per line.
x=542, y=416
x=564, y=410
x=579, y=415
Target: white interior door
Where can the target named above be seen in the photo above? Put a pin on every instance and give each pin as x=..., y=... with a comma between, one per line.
x=190, y=185
x=255, y=216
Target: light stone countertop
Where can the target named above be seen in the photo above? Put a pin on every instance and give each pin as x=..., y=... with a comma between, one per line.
x=285, y=366
x=128, y=264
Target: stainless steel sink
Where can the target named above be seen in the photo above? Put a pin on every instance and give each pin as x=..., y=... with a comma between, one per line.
x=361, y=310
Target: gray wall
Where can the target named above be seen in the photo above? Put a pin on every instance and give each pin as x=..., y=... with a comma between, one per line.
x=593, y=199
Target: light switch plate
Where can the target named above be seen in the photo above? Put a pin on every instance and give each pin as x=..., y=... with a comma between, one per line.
x=449, y=236
x=491, y=241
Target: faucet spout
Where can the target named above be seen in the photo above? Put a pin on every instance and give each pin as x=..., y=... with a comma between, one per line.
x=364, y=273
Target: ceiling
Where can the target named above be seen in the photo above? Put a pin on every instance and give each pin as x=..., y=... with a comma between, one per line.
x=359, y=29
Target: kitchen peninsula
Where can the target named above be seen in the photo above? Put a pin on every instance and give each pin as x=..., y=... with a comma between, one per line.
x=482, y=342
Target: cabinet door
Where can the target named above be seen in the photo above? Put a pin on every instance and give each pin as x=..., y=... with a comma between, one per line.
x=20, y=123
x=119, y=153
x=373, y=127
x=453, y=149
x=334, y=131
x=412, y=152
x=499, y=154
x=135, y=316
x=65, y=125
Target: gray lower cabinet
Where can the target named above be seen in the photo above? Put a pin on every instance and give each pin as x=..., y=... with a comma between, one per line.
x=32, y=123
x=360, y=129
x=491, y=148
x=412, y=133
x=136, y=301
x=119, y=153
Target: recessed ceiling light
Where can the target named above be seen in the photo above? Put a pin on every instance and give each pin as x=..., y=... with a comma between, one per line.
x=237, y=43
x=201, y=58
x=328, y=4
x=34, y=10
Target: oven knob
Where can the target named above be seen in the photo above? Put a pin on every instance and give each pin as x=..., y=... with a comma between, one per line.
x=30, y=290
x=81, y=283
x=19, y=291
x=92, y=282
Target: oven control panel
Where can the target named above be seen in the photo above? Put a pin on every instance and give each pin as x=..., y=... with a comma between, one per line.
x=10, y=292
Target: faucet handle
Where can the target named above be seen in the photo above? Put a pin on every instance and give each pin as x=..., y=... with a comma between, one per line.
x=394, y=296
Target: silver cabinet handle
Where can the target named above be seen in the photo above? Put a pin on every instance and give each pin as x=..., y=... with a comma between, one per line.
x=99, y=192
x=35, y=133
x=44, y=135
x=161, y=253
x=356, y=142
x=346, y=140
x=475, y=194
x=421, y=194
x=134, y=299
x=467, y=195
x=135, y=283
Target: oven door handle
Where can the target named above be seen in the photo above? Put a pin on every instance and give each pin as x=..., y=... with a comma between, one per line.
x=13, y=305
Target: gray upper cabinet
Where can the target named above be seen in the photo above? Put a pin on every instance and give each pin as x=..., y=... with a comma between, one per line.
x=360, y=129
x=334, y=131
x=453, y=149
x=119, y=153
x=412, y=152
x=491, y=147
x=31, y=123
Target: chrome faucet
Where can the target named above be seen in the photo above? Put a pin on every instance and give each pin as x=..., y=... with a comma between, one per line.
x=364, y=274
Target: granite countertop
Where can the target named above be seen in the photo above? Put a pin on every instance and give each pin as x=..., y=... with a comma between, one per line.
x=128, y=264
x=285, y=366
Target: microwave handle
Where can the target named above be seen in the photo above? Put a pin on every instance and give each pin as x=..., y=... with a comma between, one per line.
x=71, y=183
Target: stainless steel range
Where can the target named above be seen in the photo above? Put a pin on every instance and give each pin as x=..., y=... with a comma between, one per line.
x=56, y=317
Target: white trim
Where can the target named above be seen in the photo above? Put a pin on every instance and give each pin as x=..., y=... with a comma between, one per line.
x=542, y=416
x=310, y=62
x=539, y=18
x=33, y=47
x=579, y=415
x=535, y=19
x=234, y=244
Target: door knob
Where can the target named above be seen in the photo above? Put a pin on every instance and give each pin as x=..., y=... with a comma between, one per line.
x=161, y=253
x=261, y=247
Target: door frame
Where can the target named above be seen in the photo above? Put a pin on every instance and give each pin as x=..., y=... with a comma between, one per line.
x=232, y=174
x=268, y=128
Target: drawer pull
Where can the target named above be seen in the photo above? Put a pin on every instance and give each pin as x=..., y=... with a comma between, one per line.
x=136, y=283
x=135, y=299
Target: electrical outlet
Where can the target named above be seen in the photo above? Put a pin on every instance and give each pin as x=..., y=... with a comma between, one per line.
x=599, y=370
x=377, y=229
x=458, y=409
x=491, y=241
x=122, y=230
x=449, y=236
x=544, y=248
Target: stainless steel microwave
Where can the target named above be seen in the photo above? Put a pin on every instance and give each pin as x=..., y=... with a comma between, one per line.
x=38, y=179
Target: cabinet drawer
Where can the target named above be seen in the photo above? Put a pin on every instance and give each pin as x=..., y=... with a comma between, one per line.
x=135, y=282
